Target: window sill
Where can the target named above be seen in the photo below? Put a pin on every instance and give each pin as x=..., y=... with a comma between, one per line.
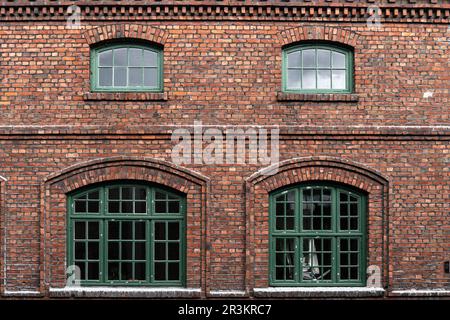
x=318, y=97
x=318, y=292
x=124, y=292
x=125, y=96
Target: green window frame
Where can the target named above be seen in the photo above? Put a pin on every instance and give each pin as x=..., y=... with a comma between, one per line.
x=127, y=233
x=127, y=67
x=317, y=236
x=317, y=68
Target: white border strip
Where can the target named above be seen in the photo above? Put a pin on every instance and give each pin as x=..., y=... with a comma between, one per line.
x=227, y=293
x=23, y=293
x=125, y=292
x=313, y=292
x=422, y=293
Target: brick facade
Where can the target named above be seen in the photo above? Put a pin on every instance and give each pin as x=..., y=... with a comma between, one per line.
x=222, y=66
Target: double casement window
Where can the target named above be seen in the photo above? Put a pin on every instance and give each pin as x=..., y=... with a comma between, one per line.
x=130, y=234
x=317, y=236
x=317, y=68
x=126, y=67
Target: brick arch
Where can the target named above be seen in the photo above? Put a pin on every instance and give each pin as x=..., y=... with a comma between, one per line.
x=54, y=192
x=126, y=30
x=323, y=33
x=298, y=170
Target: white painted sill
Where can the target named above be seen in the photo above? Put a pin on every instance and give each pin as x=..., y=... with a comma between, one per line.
x=318, y=292
x=124, y=292
x=421, y=293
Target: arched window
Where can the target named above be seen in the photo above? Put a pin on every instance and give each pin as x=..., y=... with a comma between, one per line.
x=126, y=66
x=317, y=68
x=127, y=234
x=317, y=236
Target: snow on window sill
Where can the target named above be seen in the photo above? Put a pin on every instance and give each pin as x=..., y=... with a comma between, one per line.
x=124, y=292
x=319, y=292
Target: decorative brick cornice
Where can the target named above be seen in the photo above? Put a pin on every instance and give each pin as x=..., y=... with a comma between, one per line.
x=126, y=30
x=303, y=33
x=430, y=11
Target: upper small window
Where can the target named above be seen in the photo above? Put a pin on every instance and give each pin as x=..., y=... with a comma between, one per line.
x=126, y=67
x=317, y=68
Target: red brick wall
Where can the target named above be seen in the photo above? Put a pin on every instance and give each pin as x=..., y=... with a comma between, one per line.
x=227, y=72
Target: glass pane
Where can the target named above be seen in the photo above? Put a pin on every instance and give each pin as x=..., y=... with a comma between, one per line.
x=343, y=197
x=120, y=57
x=326, y=207
x=127, y=193
x=93, y=230
x=294, y=59
x=324, y=79
x=139, y=248
x=140, y=207
x=290, y=209
x=127, y=207
x=173, y=270
x=294, y=79
x=127, y=271
x=174, y=207
x=174, y=233
x=127, y=230
x=82, y=267
x=141, y=193
x=290, y=224
x=353, y=209
x=93, y=251
x=160, y=271
x=113, y=206
x=309, y=79
x=323, y=58
x=127, y=250
x=113, y=271
x=113, y=250
x=105, y=77
x=80, y=206
x=280, y=223
x=120, y=76
x=160, y=231
x=135, y=57
x=114, y=193
x=105, y=59
x=339, y=79
x=93, y=206
x=174, y=251
x=150, y=77
x=160, y=195
x=93, y=270
x=309, y=58
x=139, y=230
x=150, y=58
x=113, y=230
x=338, y=60
x=80, y=250
x=160, y=251
x=139, y=271
x=160, y=207
x=80, y=230
x=94, y=195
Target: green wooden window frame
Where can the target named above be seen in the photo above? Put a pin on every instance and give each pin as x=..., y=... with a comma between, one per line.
x=299, y=69
x=317, y=236
x=128, y=66
x=129, y=234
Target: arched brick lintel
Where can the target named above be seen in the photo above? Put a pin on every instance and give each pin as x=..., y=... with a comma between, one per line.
x=126, y=30
x=298, y=170
x=323, y=33
x=54, y=191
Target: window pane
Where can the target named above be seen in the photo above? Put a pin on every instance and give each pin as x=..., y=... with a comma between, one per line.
x=160, y=271
x=139, y=271
x=174, y=253
x=93, y=270
x=309, y=58
x=127, y=271
x=93, y=251
x=140, y=207
x=150, y=58
x=160, y=231
x=113, y=230
x=140, y=230
x=174, y=207
x=105, y=77
x=93, y=206
x=127, y=207
x=160, y=251
x=114, y=193
x=160, y=206
x=127, y=250
x=174, y=231
x=120, y=57
x=323, y=58
x=339, y=79
x=80, y=206
x=127, y=230
x=309, y=79
x=127, y=193
x=113, y=207
x=140, y=251
x=173, y=270
x=294, y=59
x=135, y=57
x=113, y=271
x=150, y=77
x=120, y=76
x=80, y=250
x=80, y=230
x=141, y=193
x=113, y=250
x=338, y=60
x=93, y=230
x=324, y=79
x=105, y=59
x=294, y=79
